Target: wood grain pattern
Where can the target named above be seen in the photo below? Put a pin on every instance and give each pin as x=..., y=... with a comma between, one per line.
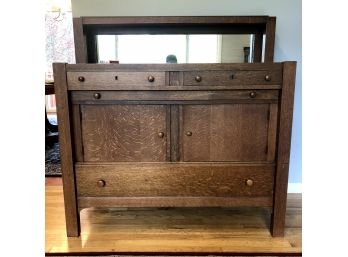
x=219, y=78
x=199, y=180
x=238, y=131
x=230, y=132
x=174, y=19
x=113, y=80
x=270, y=39
x=79, y=41
x=77, y=137
x=87, y=97
x=257, y=47
x=272, y=132
x=174, y=133
x=172, y=231
x=66, y=156
x=170, y=201
x=176, y=67
x=124, y=132
x=283, y=154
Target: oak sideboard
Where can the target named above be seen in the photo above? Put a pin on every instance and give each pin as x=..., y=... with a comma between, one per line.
x=175, y=135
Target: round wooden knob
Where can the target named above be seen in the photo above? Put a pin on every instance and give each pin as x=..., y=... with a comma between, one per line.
x=249, y=182
x=268, y=78
x=252, y=94
x=151, y=78
x=198, y=78
x=81, y=78
x=97, y=95
x=188, y=133
x=101, y=183
x=160, y=134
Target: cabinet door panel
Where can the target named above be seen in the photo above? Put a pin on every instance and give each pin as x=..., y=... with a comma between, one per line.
x=225, y=132
x=124, y=132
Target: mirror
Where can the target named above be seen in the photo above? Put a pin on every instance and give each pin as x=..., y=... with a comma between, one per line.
x=177, y=48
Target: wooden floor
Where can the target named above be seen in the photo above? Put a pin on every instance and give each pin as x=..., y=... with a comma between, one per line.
x=193, y=231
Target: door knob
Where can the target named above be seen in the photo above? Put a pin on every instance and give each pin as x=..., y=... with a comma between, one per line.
x=249, y=182
x=198, y=78
x=188, y=133
x=101, y=183
x=268, y=78
x=252, y=94
x=151, y=78
x=160, y=134
x=97, y=95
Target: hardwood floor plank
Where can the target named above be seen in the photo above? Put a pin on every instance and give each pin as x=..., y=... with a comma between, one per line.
x=171, y=230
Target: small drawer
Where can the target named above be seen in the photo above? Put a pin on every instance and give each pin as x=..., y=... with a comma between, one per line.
x=174, y=180
x=231, y=78
x=136, y=95
x=114, y=80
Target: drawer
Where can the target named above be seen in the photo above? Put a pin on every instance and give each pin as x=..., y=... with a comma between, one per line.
x=93, y=97
x=231, y=78
x=174, y=180
x=114, y=80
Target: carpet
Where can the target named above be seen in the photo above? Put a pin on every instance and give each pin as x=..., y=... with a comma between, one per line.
x=52, y=154
x=52, y=161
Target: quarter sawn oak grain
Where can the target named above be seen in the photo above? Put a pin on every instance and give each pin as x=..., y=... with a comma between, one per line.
x=221, y=144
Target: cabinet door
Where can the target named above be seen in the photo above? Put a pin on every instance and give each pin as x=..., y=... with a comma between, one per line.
x=228, y=132
x=119, y=133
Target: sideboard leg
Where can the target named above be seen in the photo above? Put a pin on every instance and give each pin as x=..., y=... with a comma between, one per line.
x=72, y=216
x=279, y=203
x=72, y=224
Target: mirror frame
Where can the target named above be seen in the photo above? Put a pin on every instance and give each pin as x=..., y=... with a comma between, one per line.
x=86, y=30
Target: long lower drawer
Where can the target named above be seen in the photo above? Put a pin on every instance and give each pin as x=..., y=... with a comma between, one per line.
x=202, y=183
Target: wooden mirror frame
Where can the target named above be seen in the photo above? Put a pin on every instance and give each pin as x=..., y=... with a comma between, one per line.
x=86, y=30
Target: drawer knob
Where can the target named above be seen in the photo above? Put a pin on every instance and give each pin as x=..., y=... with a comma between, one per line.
x=252, y=94
x=198, y=78
x=268, y=78
x=81, y=78
x=101, y=183
x=188, y=133
x=249, y=182
x=151, y=78
x=97, y=95
x=160, y=134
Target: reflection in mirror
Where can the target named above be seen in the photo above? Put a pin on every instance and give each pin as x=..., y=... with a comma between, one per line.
x=183, y=48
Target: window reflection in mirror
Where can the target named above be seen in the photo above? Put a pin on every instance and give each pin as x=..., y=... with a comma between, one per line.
x=186, y=48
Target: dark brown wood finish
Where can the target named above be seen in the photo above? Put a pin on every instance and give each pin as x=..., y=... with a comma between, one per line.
x=230, y=78
x=114, y=80
x=257, y=54
x=252, y=96
x=283, y=155
x=122, y=133
x=272, y=67
x=132, y=147
x=228, y=132
x=79, y=41
x=67, y=163
x=174, y=133
x=77, y=136
x=92, y=26
x=270, y=39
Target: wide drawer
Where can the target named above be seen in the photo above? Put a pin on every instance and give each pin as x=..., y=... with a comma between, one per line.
x=230, y=78
x=174, y=180
x=113, y=80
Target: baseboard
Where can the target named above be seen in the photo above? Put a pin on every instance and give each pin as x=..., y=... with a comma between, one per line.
x=295, y=188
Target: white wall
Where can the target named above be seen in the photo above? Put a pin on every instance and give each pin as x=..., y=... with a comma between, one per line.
x=288, y=42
